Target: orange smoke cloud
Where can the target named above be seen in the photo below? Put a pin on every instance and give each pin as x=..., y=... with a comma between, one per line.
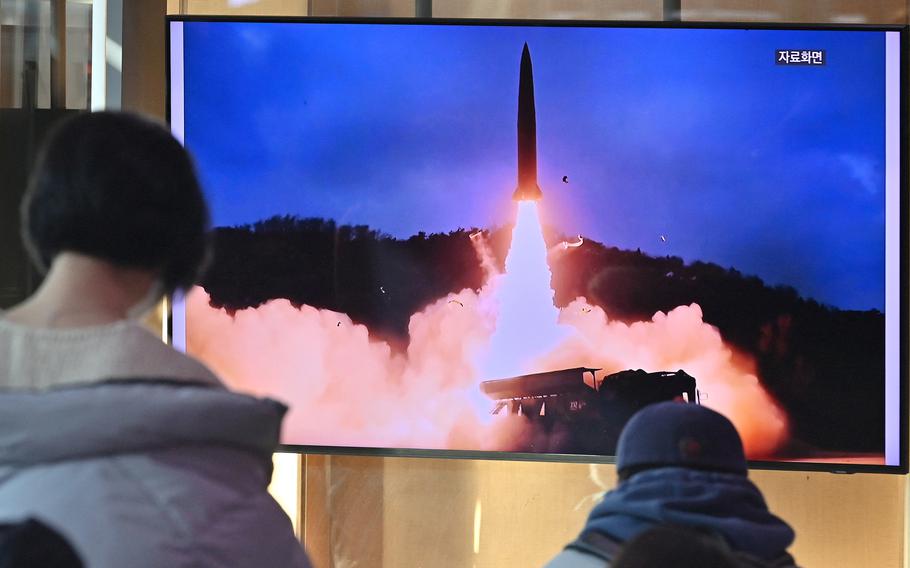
x=676, y=340
x=346, y=389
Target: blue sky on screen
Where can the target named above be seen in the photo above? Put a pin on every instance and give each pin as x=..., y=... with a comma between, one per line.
x=693, y=135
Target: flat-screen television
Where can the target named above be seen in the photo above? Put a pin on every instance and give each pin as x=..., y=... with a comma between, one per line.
x=501, y=239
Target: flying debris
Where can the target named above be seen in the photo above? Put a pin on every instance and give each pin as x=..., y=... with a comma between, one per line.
x=567, y=245
x=663, y=238
x=565, y=179
x=527, y=189
x=338, y=324
x=382, y=289
x=456, y=302
x=476, y=234
x=586, y=310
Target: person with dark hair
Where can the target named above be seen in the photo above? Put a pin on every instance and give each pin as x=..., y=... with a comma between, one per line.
x=133, y=451
x=33, y=544
x=115, y=217
x=681, y=464
x=118, y=187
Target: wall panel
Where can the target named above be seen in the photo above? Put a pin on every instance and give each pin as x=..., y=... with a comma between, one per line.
x=466, y=513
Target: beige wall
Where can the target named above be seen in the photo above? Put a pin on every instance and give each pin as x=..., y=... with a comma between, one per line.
x=855, y=11
x=838, y=11
x=410, y=512
x=144, y=87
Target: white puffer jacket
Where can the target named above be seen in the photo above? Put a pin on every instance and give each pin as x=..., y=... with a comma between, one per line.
x=145, y=474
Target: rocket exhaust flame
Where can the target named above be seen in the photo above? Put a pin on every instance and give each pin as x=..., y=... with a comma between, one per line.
x=527, y=323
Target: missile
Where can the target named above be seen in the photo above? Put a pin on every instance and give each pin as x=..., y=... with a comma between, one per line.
x=527, y=189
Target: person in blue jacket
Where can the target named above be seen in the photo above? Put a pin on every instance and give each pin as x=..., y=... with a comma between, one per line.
x=684, y=465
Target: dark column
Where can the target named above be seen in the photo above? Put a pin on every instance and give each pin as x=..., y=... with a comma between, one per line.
x=423, y=8
x=58, y=54
x=672, y=10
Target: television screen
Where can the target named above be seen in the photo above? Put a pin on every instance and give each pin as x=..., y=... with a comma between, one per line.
x=502, y=239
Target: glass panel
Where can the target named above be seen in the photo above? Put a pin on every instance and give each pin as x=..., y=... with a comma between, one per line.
x=78, y=53
x=25, y=54
x=29, y=45
x=45, y=66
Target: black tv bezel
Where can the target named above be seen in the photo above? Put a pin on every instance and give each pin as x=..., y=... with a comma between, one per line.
x=841, y=468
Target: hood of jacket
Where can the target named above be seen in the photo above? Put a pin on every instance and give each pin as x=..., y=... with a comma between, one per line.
x=727, y=504
x=118, y=417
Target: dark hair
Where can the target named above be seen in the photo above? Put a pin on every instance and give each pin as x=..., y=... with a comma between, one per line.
x=681, y=547
x=118, y=187
x=32, y=544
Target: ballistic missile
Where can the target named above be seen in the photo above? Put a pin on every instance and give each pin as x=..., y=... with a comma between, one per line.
x=527, y=189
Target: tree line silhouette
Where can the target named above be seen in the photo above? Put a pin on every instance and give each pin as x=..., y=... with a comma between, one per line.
x=824, y=365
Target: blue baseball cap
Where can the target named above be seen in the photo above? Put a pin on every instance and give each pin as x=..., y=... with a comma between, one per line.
x=678, y=434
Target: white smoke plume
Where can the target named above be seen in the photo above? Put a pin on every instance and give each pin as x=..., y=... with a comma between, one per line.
x=346, y=389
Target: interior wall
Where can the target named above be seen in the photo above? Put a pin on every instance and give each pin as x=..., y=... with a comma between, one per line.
x=144, y=84
x=551, y=9
x=375, y=512
x=833, y=11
